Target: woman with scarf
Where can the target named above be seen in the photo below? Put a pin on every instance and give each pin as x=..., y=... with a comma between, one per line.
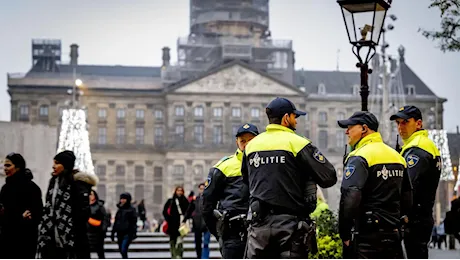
x=20, y=210
x=63, y=231
x=98, y=223
x=173, y=212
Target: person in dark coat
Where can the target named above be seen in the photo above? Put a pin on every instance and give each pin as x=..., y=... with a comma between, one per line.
x=125, y=225
x=63, y=231
x=21, y=210
x=199, y=226
x=142, y=214
x=97, y=225
x=173, y=217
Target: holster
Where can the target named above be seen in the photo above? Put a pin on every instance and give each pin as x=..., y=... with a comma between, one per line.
x=220, y=224
x=308, y=228
x=227, y=224
x=238, y=225
x=254, y=212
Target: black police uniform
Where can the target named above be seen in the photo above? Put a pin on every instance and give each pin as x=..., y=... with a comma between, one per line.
x=225, y=185
x=424, y=166
x=277, y=164
x=375, y=189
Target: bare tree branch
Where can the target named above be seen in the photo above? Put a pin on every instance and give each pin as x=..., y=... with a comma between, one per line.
x=448, y=36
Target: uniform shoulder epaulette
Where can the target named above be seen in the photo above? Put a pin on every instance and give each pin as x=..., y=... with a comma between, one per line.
x=223, y=160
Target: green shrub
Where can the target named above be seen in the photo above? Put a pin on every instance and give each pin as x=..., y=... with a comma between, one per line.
x=327, y=236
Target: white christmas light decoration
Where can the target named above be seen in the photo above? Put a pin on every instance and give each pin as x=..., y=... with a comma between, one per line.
x=439, y=137
x=74, y=137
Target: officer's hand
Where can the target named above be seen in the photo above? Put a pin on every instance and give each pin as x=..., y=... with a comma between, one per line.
x=347, y=243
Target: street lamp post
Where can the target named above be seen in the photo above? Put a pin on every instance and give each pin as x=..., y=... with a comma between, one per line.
x=77, y=83
x=364, y=20
x=386, y=126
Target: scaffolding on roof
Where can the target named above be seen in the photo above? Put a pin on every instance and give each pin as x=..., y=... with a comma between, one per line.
x=222, y=30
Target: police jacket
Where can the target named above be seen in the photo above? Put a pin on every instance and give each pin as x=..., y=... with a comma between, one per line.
x=225, y=185
x=375, y=180
x=278, y=163
x=424, y=166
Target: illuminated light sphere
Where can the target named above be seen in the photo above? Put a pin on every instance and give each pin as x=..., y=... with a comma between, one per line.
x=78, y=82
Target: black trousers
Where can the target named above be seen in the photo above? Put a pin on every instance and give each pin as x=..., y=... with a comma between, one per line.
x=198, y=239
x=233, y=240
x=232, y=247
x=53, y=252
x=416, y=239
x=276, y=236
x=99, y=249
x=377, y=245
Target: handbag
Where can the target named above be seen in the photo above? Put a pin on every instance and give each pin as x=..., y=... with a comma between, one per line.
x=184, y=229
x=164, y=225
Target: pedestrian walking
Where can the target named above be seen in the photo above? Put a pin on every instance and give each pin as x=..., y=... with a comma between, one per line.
x=441, y=235
x=434, y=238
x=20, y=210
x=173, y=212
x=125, y=224
x=63, y=231
x=202, y=235
x=98, y=224
x=141, y=211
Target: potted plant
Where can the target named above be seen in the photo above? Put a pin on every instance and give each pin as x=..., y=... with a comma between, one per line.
x=328, y=239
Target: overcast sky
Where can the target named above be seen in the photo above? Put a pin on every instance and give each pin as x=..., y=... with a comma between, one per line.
x=122, y=32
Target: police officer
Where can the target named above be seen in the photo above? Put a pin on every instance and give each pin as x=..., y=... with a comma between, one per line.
x=375, y=189
x=225, y=185
x=424, y=166
x=277, y=164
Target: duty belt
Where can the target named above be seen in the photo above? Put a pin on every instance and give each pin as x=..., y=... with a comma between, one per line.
x=276, y=210
x=240, y=217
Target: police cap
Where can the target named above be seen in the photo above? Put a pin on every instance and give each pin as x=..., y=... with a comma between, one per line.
x=281, y=106
x=247, y=128
x=361, y=118
x=407, y=112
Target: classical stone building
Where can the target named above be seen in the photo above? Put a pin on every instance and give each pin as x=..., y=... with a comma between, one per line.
x=152, y=128
x=35, y=142
x=146, y=137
